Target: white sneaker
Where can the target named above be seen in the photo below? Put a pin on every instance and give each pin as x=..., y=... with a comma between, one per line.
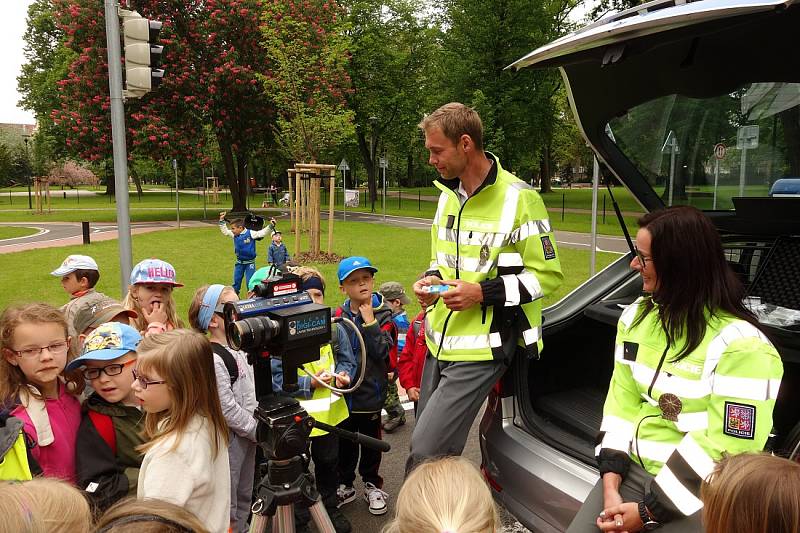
x=346, y=494
x=376, y=499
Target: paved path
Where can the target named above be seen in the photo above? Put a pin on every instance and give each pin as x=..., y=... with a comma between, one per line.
x=69, y=233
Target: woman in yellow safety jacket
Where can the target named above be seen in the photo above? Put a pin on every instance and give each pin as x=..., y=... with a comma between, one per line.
x=694, y=379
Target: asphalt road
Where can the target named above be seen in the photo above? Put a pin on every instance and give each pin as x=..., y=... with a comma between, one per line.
x=64, y=233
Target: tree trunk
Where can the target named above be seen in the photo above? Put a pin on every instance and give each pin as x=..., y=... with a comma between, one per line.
x=790, y=120
x=109, y=177
x=135, y=177
x=544, y=170
x=236, y=182
x=410, y=169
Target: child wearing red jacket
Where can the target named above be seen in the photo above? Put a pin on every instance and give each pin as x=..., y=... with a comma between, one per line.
x=412, y=359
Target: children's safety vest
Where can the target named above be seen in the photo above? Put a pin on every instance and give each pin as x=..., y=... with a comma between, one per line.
x=324, y=405
x=14, y=464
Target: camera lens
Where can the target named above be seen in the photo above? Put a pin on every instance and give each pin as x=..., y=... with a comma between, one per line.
x=252, y=332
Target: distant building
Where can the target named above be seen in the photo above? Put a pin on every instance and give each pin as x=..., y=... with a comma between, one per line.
x=17, y=130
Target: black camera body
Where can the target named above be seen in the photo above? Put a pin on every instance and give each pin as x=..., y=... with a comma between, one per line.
x=281, y=320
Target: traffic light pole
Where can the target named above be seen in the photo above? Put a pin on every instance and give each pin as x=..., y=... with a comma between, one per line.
x=118, y=137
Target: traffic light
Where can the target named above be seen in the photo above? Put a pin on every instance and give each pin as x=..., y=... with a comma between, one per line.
x=142, y=54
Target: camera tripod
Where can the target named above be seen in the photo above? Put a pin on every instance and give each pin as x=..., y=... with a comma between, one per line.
x=284, y=428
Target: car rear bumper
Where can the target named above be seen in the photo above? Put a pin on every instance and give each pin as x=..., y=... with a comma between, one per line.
x=542, y=487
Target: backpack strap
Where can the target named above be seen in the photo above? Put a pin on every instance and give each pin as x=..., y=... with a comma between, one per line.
x=105, y=427
x=228, y=359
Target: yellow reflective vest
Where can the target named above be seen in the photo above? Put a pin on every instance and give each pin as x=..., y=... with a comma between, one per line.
x=14, y=464
x=501, y=238
x=677, y=418
x=325, y=406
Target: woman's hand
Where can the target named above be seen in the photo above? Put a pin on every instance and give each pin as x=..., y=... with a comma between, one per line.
x=622, y=518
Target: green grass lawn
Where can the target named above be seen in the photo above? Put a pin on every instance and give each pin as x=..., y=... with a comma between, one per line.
x=202, y=256
x=13, y=232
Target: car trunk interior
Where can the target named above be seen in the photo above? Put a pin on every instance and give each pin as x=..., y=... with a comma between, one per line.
x=560, y=396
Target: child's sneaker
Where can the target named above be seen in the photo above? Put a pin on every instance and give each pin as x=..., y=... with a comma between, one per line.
x=346, y=494
x=376, y=499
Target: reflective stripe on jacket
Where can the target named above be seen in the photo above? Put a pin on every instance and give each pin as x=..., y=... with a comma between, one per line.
x=726, y=390
x=501, y=238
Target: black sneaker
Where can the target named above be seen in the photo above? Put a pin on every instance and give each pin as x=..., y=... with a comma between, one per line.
x=340, y=522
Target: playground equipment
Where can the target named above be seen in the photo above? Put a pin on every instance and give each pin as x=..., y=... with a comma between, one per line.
x=305, y=182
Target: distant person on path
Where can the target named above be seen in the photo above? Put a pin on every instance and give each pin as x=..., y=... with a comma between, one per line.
x=495, y=254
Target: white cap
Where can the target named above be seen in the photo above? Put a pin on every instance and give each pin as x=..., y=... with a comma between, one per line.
x=73, y=263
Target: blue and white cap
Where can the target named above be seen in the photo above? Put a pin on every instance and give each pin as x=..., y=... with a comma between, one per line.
x=348, y=265
x=107, y=342
x=154, y=271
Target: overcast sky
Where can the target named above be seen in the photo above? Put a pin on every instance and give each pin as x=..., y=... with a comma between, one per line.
x=12, y=28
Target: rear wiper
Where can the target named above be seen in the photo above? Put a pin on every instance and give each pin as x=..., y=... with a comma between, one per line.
x=621, y=220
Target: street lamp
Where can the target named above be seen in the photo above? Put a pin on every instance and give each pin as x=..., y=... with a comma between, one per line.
x=28, y=170
x=373, y=144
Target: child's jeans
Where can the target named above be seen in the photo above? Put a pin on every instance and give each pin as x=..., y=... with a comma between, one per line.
x=242, y=270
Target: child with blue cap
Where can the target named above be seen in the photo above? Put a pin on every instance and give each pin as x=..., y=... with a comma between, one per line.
x=150, y=295
x=106, y=459
x=237, y=396
x=368, y=310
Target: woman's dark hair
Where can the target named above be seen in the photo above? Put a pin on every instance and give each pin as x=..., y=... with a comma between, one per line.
x=693, y=275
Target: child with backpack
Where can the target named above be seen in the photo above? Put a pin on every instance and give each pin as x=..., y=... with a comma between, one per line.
x=186, y=459
x=106, y=456
x=35, y=345
x=373, y=317
x=237, y=396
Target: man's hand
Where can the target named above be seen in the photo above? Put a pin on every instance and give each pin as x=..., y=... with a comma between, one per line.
x=272, y=221
x=366, y=312
x=156, y=314
x=222, y=216
x=622, y=518
x=413, y=394
x=463, y=294
x=425, y=298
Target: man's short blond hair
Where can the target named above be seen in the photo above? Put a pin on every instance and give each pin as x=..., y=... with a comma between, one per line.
x=456, y=119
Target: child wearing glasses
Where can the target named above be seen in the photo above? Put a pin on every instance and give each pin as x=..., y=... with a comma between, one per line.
x=35, y=346
x=106, y=459
x=186, y=456
x=237, y=396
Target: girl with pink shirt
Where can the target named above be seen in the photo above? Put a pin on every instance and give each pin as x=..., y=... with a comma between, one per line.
x=35, y=347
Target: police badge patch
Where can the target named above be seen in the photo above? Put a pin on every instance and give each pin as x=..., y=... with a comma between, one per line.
x=740, y=420
x=547, y=246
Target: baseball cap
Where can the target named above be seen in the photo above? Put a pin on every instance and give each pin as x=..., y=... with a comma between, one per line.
x=154, y=271
x=73, y=263
x=99, y=310
x=392, y=290
x=348, y=265
x=107, y=342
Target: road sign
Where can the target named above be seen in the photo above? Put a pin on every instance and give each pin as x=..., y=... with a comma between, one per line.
x=719, y=151
x=383, y=163
x=174, y=164
x=670, y=144
x=343, y=165
x=747, y=137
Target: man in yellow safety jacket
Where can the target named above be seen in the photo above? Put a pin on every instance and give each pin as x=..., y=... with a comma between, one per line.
x=494, y=257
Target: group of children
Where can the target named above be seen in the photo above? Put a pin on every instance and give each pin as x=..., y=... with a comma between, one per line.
x=122, y=401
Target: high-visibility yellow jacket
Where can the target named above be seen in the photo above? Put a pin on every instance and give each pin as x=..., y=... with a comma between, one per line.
x=14, y=460
x=501, y=238
x=725, y=390
x=325, y=406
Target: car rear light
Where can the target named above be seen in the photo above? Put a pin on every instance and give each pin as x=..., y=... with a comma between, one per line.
x=490, y=480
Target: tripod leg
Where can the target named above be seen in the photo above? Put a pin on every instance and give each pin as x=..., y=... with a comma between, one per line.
x=258, y=523
x=320, y=517
x=284, y=519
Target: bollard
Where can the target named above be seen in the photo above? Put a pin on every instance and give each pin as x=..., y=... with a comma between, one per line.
x=85, y=227
x=419, y=200
x=563, y=205
x=399, y=198
x=65, y=194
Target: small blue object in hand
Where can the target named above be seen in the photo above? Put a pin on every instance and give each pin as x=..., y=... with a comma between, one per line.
x=435, y=288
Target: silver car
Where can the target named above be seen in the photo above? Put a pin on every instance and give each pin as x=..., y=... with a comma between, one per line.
x=692, y=103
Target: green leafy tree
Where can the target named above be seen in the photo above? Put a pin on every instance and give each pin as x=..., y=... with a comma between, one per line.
x=307, y=48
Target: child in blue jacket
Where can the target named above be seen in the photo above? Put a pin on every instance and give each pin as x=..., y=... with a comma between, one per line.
x=244, y=245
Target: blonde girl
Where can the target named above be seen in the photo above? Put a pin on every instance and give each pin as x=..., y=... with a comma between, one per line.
x=429, y=503
x=186, y=455
x=757, y=493
x=44, y=506
x=35, y=347
x=148, y=516
x=150, y=295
